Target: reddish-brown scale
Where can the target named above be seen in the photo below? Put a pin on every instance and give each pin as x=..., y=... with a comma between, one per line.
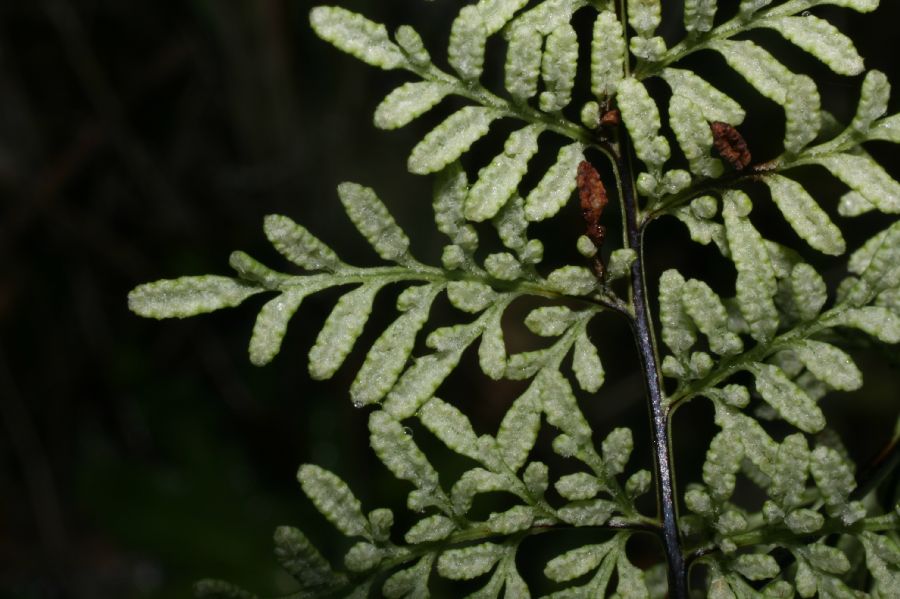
x=730, y=145
x=593, y=200
x=611, y=118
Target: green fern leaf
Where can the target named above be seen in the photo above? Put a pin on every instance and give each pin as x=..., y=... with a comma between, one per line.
x=189, y=296
x=512, y=226
x=471, y=296
x=473, y=482
x=607, y=55
x=450, y=192
x=523, y=63
x=881, y=559
x=678, y=330
x=748, y=7
x=431, y=529
x=469, y=563
x=887, y=129
x=699, y=15
x=586, y=363
x=396, y=450
x=805, y=216
x=558, y=68
x=271, y=324
x=617, y=448
x=873, y=100
x=496, y=13
x=789, y=400
x=497, y=182
x=408, y=102
x=556, y=186
x=723, y=462
x=550, y=321
x=492, y=350
x=413, y=46
x=876, y=261
x=467, y=40
x=373, y=220
x=789, y=479
x=631, y=580
x=830, y=364
x=546, y=16
x=578, y=486
x=694, y=136
x=573, y=280
x=644, y=16
x=578, y=562
x=708, y=313
x=756, y=277
x=303, y=561
x=411, y=582
x=808, y=290
x=802, y=113
x=450, y=426
x=593, y=512
x=341, y=330
x=300, y=246
x=334, y=500
x=641, y=116
x=876, y=321
x=865, y=176
x=821, y=39
x=713, y=104
x=356, y=35
x=390, y=352
x=560, y=405
x=449, y=140
x=519, y=428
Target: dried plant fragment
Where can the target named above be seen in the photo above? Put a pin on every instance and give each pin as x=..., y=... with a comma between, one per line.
x=593, y=198
x=611, y=118
x=730, y=145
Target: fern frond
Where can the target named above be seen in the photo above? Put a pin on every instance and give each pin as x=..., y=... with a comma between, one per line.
x=778, y=332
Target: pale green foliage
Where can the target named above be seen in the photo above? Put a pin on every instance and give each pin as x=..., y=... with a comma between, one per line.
x=558, y=68
x=607, y=55
x=498, y=181
x=374, y=221
x=446, y=142
x=189, y=296
x=555, y=188
x=407, y=102
x=821, y=39
x=783, y=335
x=467, y=40
x=356, y=35
x=641, y=116
x=694, y=136
x=699, y=14
x=805, y=216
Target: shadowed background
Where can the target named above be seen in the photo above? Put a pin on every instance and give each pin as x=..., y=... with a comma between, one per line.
x=145, y=139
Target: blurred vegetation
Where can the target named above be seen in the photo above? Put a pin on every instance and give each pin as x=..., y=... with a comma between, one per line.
x=146, y=139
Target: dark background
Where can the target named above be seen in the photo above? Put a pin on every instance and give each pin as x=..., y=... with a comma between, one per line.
x=147, y=139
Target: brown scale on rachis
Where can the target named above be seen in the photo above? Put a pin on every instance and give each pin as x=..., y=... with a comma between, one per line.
x=611, y=118
x=730, y=145
x=593, y=198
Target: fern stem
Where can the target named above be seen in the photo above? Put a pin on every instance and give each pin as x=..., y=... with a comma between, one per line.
x=643, y=332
